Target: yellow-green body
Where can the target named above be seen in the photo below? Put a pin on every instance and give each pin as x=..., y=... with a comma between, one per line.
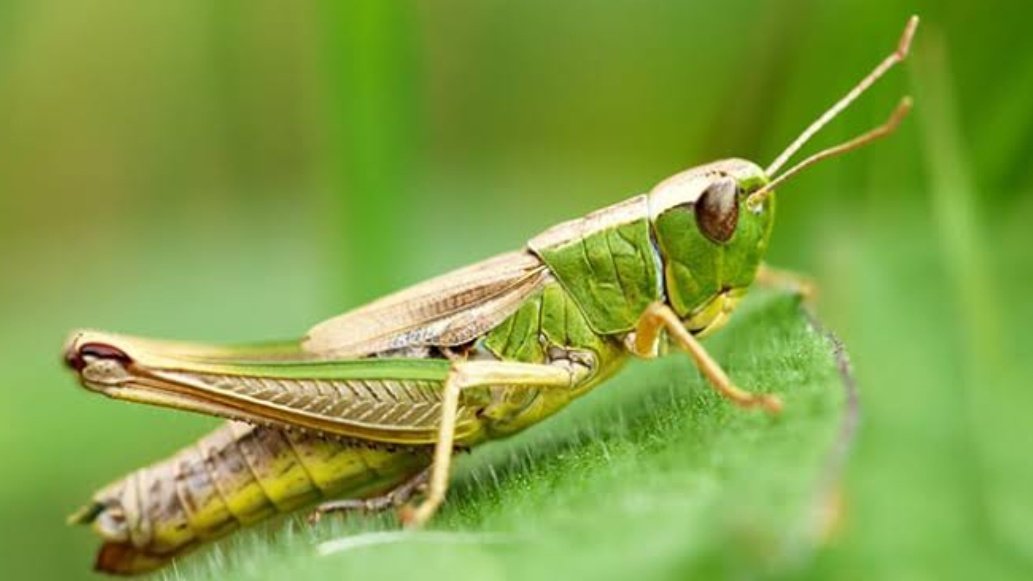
x=571, y=299
x=356, y=406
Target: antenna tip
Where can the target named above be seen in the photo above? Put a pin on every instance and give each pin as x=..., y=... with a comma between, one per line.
x=901, y=111
x=905, y=39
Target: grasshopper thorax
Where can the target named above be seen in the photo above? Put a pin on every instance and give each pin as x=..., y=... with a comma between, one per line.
x=690, y=241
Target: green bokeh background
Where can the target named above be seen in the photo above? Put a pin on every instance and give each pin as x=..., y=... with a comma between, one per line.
x=240, y=170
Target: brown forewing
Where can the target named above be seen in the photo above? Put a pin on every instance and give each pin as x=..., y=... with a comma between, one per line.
x=452, y=309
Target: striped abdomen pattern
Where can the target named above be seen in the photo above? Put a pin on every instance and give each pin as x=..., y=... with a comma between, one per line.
x=235, y=476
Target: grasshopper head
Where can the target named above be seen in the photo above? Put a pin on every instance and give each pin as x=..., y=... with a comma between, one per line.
x=716, y=191
x=713, y=222
x=710, y=236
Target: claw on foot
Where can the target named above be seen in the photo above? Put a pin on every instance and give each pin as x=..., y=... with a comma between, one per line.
x=414, y=517
x=314, y=517
x=407, y=516
x=771, y=403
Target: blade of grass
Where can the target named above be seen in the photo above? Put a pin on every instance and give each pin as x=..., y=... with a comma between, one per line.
x=955, y=212
x=369, y=60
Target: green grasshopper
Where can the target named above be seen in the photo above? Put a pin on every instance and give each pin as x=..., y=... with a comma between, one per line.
x=370, y=406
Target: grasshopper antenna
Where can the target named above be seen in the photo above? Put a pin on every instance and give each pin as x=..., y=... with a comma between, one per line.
x=898, y=55
x=883, y=130
x=898, y=114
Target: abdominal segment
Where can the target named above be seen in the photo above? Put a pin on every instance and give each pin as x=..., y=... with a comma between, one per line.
x=235, y=476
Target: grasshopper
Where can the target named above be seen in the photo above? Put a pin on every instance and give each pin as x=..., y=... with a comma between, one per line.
x=369, y=406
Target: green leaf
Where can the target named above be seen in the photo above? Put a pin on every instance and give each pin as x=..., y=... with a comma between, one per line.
x=651, y=475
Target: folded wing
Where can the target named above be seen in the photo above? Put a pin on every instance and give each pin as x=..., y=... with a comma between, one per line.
x=449, y=310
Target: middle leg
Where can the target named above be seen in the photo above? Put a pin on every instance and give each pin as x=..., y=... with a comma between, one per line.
x=464, y=375
x=395, y=497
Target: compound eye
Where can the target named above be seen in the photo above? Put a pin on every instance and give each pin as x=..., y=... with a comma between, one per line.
x=717, y=210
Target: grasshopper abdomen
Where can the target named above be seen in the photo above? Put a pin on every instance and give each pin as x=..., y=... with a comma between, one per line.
x=233, y=477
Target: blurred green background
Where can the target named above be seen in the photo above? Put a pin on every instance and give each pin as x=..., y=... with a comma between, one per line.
x=239, y=170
